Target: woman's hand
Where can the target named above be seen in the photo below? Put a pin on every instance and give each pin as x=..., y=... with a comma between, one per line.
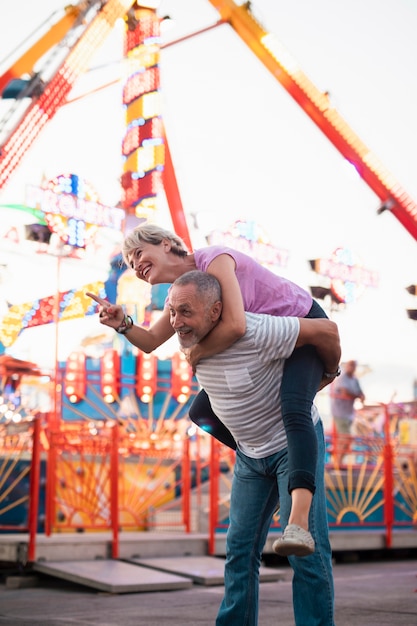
x=192, y=356
x=324, y=382
x=111, y=315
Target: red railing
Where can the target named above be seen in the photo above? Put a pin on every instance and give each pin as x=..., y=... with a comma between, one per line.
x=371, y=476
x=110, y=479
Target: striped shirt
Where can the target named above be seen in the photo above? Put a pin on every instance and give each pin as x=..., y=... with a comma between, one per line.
x=243, y=383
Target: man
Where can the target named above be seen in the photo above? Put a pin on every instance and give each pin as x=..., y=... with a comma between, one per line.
x=345, y=390
x=243, y=384
x=343, y=394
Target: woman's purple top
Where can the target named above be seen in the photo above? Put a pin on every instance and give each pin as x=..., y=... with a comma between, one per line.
x=262, y=290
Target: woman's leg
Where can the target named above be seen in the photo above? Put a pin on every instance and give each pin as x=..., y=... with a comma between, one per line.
x=303, y=372
x=203, y=416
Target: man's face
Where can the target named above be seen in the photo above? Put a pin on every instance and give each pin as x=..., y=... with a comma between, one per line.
x=191, y=316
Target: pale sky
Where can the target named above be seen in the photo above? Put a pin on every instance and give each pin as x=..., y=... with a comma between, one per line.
x=243, y=149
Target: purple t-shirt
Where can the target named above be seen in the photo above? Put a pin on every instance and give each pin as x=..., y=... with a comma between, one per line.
x=262, y=290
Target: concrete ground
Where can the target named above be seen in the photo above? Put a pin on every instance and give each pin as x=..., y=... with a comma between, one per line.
x=368, y=593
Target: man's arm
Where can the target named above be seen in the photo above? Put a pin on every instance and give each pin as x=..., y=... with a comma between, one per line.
x=323, y=334
x=350, y=389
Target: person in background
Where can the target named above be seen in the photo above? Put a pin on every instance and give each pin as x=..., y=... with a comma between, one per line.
x=343, y=393
x=244, y=383
x=160, y=256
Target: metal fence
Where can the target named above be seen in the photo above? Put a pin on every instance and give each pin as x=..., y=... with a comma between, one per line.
x=84, y=478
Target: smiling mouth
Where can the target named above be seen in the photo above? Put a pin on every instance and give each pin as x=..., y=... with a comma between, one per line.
x=183, y=333
x=146, y=271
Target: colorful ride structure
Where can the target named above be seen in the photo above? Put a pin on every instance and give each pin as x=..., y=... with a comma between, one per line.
x=84, y=27
x=113, y=449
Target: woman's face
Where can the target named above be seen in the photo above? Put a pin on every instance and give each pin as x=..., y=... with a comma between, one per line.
x=151, y=262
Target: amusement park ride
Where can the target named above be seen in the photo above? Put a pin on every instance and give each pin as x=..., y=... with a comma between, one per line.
x=84, y=28
x=64, y=53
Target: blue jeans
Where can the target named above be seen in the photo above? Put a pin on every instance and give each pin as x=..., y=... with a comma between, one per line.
x=257, y=485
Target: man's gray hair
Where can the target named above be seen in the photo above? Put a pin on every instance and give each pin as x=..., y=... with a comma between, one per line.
x=207, y=285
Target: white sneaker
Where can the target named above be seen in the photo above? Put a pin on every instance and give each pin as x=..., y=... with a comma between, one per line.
x=294, y=541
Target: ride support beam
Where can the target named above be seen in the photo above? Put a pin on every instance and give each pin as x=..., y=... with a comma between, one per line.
x=318, y=107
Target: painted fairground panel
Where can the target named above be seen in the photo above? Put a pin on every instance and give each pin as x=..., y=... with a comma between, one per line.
x=150, y=488
x=145, y=480
x=20, y=417
x=78, y=488
x=403, y=428
x=371, y=476
x=355, y=473
x=15, y=465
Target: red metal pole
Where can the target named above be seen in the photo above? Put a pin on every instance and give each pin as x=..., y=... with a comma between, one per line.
x=214, y=493
x=34, y=489
x=198, y=470
x=186, y=486
x=388, y=481
x=174, y=199
x=50, y=490
x=114, y=490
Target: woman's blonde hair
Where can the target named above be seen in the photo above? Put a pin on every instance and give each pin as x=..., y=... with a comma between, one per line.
x=154, y=234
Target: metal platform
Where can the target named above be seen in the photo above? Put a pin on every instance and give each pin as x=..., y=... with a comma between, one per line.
x=202, y=570
x=113, y=576
x=145, y=575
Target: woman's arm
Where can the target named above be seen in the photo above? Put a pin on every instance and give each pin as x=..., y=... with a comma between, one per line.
x=232, y=324
x=146, y=339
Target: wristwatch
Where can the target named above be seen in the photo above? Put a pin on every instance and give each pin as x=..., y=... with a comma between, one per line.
x=332, y=374
x=125, y=325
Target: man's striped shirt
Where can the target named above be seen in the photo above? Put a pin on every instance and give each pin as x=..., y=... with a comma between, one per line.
x=244, y=381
